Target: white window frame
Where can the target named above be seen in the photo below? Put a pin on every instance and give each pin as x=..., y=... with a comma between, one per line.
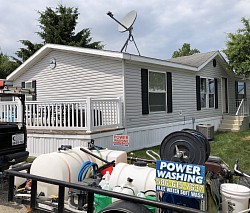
x=212, y=93
x=201, y=92
x=243, y=91
x=207, y=93
x=150, y=91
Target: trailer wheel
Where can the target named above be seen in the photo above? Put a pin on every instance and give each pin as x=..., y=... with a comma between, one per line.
x=125, y=207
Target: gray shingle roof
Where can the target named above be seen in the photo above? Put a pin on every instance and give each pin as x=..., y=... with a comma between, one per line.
x=195, y=60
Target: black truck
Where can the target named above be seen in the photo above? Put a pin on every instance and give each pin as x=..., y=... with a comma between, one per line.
x=13, y=134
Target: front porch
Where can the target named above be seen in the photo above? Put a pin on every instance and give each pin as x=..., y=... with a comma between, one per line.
x=238, y=118
x=85, y=115
x=51, y=124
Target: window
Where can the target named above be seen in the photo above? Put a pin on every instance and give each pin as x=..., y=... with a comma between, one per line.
x=157, y=91
x=28, y=85
x=32, y=86
x=207, y=92
x=203, y=90
x=211, y=92
x=240, y=90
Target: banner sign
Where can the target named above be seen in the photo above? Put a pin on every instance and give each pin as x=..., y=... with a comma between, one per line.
x=121, y=140
x=180, y=179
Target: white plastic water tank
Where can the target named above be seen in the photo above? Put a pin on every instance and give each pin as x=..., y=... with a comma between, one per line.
x=110, y=155
x=143, y=176
x=65, y=165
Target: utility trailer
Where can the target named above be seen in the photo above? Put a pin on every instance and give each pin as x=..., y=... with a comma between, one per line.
x=13, y=132
x=127, y=201
x=184, y=157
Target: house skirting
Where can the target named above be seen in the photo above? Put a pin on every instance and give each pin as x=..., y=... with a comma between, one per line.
x=140, y=137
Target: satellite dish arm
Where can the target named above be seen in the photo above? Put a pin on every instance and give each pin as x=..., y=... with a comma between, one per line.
x=110, y=14
x=129, y=21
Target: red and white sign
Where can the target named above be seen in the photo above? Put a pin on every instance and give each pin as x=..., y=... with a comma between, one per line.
x=121, y=140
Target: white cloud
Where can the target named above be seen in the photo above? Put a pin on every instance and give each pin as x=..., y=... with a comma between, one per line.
x=161, y=26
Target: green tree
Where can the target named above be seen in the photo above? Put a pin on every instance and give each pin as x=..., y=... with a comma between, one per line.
x=6, y=65
x=238, y=49
x=25, y=53
x=185, y=51
x=58, y=27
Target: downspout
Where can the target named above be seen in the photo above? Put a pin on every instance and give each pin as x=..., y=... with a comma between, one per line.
x=124, y=119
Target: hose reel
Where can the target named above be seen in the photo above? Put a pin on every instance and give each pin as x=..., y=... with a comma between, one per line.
x=188, y=146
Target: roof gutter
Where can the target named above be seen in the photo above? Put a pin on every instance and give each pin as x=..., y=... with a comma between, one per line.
x=143, y=59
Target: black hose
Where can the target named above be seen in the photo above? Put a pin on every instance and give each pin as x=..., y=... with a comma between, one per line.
x=99, y=158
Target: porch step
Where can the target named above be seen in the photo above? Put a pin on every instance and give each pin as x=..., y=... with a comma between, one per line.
x=234, y=123
x=229, y=127
x=228, y=130
x=233, y=118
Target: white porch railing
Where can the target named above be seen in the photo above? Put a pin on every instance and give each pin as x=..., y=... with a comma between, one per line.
x=87, y=114
x=242, y=107
x=10, y=111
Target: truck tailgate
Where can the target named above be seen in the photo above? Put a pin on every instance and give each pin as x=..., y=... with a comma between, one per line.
x=12, y=138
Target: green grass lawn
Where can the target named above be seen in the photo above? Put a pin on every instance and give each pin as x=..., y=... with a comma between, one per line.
x=230, y=146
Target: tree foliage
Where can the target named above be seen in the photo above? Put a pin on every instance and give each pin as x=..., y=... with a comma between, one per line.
x=6, y=65
x=25, y=53
x=185, y=51
x=58, y=27
x=238, y=49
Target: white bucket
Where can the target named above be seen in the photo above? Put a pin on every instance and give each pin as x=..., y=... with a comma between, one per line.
x=235, y=197
x=19, y=181
x=126, y=188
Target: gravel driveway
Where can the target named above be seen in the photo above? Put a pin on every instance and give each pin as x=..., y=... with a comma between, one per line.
x=10, y=207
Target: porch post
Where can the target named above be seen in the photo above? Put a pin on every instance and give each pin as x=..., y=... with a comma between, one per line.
x=20, y=111
x=88, y=114
x=119, y=112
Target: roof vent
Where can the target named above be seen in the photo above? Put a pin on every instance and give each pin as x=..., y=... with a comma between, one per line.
x=214, y=62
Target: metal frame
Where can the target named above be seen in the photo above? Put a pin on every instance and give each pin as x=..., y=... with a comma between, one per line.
x=90, y=193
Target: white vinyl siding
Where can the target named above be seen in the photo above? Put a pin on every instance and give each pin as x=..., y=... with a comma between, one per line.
x=218, y=72
x=183, y=92
x=76, y=76
x=184, y=96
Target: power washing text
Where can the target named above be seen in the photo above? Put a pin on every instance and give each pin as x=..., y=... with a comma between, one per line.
x=181, y=172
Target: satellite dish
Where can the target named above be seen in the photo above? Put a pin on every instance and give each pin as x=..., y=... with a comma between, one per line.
x=126, y=25
x=127, y=21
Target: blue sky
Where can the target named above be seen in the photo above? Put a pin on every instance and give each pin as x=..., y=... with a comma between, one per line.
x=161, y=27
